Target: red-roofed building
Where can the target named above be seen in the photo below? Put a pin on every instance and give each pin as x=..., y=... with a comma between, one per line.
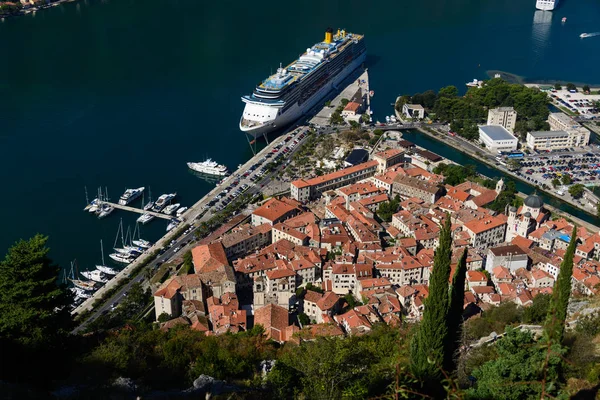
x=275, y=320
x=209, y=257
x=353, y=322
x=388, y=158
x=272, y=212
x=486, y=232
x=476, y=278
x=317, y=306
x=304, y=190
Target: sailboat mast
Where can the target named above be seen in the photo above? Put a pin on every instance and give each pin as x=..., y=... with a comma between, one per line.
x=102, y=251
x=122, y=240
x=87, y=199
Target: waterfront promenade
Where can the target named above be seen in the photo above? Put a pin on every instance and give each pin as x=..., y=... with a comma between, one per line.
x=195, y=215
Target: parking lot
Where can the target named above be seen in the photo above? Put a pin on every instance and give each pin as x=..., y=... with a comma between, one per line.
x=253, y=175
x=580, y=168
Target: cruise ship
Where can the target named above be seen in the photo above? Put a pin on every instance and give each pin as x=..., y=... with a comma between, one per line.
x=286, y=95
x=130, y=195
x=546, y=5
x=208, y=167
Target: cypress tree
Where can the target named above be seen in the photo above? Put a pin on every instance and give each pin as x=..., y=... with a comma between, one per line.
x=557, y=312
x=428, y=344
x=455, y=312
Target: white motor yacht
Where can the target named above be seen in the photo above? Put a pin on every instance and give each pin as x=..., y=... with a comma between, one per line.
x=171, y=209
x=95, y=276
x=180, y=211
x=130, y=195
x=145, y=218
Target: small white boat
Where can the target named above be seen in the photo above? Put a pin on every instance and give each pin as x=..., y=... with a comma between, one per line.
x=106, y=270
x=121, y=258
x=172, y=224
x=105, y=210
x=180, y=211
x=145, y=218
x=93, y=207
x=208, y=167
x=80, y=293
x=142, y=243
x=171, y=208
x=387, y=119
x=95, y=276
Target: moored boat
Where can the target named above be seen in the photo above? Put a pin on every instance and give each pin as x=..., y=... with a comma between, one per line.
x=170, y=209
x=208, y=167
x=130, y=195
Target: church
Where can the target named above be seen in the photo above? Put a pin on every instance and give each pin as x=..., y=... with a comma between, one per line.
x=527, y=218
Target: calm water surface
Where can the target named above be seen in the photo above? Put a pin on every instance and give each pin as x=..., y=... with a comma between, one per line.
x=121, y=93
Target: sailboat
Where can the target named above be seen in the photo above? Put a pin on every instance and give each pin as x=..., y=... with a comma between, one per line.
x=122, y=255
x=103, y=268
x=139, y=241
x=150, y=202
x=81, y=284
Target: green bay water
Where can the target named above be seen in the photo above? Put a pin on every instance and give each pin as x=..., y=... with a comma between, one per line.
x=122, y=93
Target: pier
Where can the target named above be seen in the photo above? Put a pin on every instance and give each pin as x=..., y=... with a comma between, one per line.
x=139, y=210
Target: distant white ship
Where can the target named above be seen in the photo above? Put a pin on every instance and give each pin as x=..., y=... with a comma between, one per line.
x=586, y=35
x=546, y=5
x=130, y=195
x=208, y=167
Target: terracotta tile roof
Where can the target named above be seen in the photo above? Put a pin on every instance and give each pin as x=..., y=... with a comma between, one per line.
x=522, y=242
x=406, y=291
x=476, y=276
x=483, y=225
x=209, y=257
x=244, y=232
x=283, y=227
x=389, y=153
x=371, y=283
x=360, y=188
x=301, y=220
x=406, y=242
x=328, y=329
x=501, y=272
x=339, y=174
x=273, y=210
x=480, y=290
x=169, y=289
x=416, y=183
x=312, y=297
x=280, y=273
x=352, y=106
x=275, y=319
x=327, y=301
x=456, y=194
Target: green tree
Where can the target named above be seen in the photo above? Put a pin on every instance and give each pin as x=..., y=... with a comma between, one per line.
x=576, y=190
x=188, y=262
x=164, y=317
x=557, y=312
x=571, y=86
x=344, y=102
x=522, y=369
x=448, y=92
x=303, y=319
x=455, y=312
x=513, y=164
x=387, y=209
x=365, y=118
x=34, y=313
x=586, y=88
x=557, y=86
x=556, y=182
x=566, y=179
x=428, y=345
x=538, y=310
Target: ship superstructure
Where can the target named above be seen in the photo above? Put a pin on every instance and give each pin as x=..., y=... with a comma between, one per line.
x=546, y=5
x=293, y=90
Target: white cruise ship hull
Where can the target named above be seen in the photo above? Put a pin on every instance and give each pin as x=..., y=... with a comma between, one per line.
x=546, y=5
x=296, y=111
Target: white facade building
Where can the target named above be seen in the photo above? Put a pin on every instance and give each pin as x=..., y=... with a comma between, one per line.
x=548, y=140
x=578, y=135
x=506, y=117
x=496, y=138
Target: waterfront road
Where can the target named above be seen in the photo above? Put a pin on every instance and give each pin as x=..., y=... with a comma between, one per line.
x=201, y=212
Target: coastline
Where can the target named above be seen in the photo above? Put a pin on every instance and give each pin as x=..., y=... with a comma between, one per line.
x=34, y=9
x=451, y=142
x=523, y=80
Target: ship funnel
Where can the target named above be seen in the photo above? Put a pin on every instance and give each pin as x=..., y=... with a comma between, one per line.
x=328, y=35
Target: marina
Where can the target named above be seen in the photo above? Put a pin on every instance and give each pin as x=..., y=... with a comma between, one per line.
x=137, y=210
